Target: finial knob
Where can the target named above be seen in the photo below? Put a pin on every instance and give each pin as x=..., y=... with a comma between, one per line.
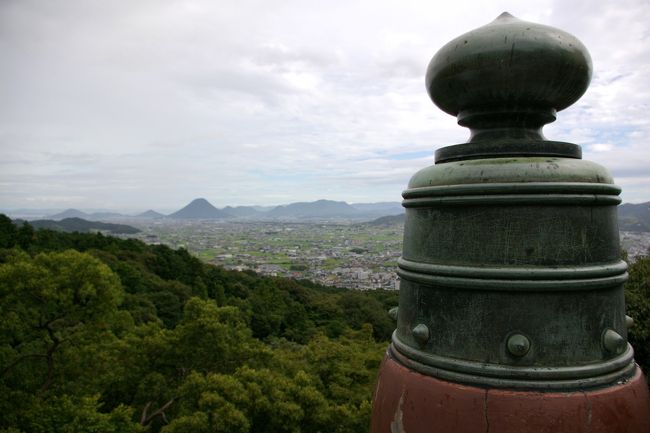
x=507, y=79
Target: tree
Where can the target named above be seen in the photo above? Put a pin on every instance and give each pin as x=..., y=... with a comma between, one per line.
x=193, y=347
x=637, y=297
x=75, y=414
x=25, y=236
x=7, y=232
x=49, y=303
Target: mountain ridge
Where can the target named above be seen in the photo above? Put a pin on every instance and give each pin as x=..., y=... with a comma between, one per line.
x=316, y=209
x=152, y=214
x=199, y=208
x=633, y=217
x=79, y=225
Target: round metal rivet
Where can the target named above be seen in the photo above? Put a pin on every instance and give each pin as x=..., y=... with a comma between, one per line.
x=421, y=333
x=393, y=313
x=518, y=345
x=629, y=322
x=613, y=342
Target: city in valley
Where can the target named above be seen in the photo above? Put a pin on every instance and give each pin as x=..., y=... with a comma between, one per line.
x=328, y=242
x=351, y=255
x=359, y=256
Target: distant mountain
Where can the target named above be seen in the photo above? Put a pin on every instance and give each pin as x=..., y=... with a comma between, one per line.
x=151, y=214
x=75, y=213
x=631, y=217
x=241, y=211
x=634, y=217
x=199, y=208
x=69, y=213
x=388, y=220
x=316, y=209
x=80, y=225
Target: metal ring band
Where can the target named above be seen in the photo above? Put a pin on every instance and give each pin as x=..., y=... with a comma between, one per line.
x=514, y=285
x=501, y=376
x=515, y=199
x=516, y=188
x=514, y=273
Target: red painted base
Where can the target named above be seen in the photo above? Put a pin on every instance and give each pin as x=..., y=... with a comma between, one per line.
x=409, y=402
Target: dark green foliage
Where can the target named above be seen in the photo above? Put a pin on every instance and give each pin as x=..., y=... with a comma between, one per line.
x=25, y=235
x=103, y=334
x=7, y=232
x=637, y=297
x=141, y=308
x=168, y=305
x=174, y=264
x=54, y=306
x=360, y=309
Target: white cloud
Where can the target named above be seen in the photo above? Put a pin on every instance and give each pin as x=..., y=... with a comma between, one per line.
x=149, y=104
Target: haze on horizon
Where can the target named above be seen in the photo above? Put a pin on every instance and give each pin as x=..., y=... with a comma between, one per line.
x=138, y=105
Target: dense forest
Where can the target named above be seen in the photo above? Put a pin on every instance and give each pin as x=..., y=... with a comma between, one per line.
x=100, y=334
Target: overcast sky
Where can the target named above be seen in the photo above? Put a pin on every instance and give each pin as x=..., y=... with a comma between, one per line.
x=131, y=105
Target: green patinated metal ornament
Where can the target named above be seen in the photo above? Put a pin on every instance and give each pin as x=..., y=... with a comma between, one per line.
x=511, y=274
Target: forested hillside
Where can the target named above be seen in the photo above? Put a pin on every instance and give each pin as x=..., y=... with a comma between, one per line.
x=100, y=334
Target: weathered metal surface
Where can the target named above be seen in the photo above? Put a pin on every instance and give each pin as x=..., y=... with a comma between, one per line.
x=511, y=310
x=510, y=74
x=511, y=274
x=409, y=402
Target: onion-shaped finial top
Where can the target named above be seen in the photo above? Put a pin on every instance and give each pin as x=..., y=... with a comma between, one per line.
x=507, y=79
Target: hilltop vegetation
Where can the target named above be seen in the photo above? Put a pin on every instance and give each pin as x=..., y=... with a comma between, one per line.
x=103, y=334
x=81, y=225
